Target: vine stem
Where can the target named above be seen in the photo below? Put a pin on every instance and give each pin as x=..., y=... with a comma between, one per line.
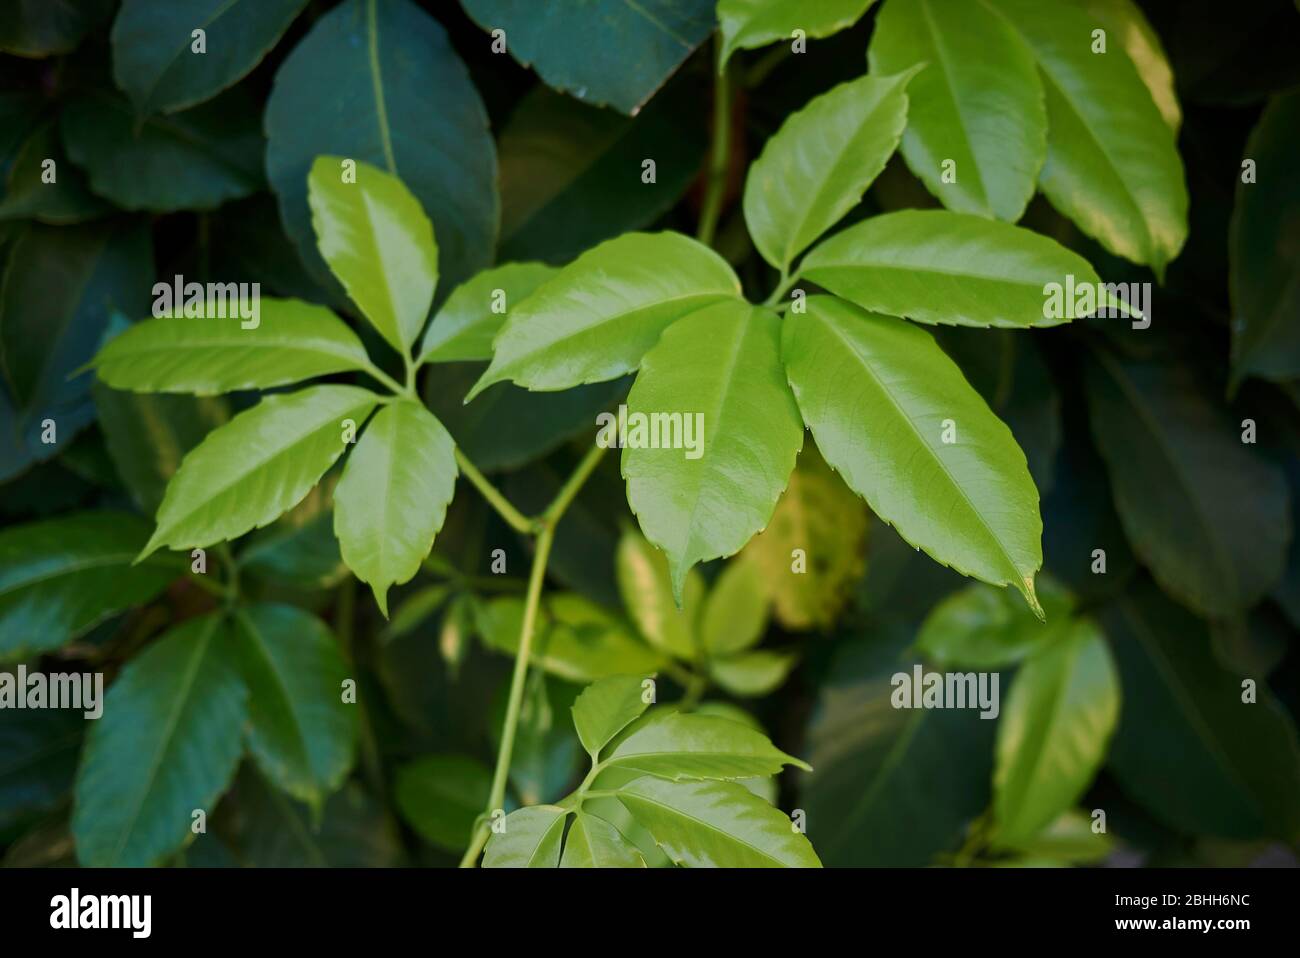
x=544, y=527
x=516, y=519
x=719, y=160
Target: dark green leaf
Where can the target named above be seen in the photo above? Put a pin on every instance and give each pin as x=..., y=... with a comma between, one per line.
x=441, y=796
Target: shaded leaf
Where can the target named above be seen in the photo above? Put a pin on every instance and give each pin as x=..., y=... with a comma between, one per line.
x=440, y=796
x=646, y=589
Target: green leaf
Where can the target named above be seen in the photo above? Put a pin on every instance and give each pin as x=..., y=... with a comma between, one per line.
x=879, y=395
x=593, y=842
x=1210, y=517
x=66, y=200
x=891, y=787
x=680, y=746
x=735, y=614
x=39, y=749
x=719, y=371
x=601, y=51
x=302, y=733
x=377, y=81
x=60, y=289
x=717, y=825
x=605, y=708
x=756, y=23
x=822, y=518
x=984, y=628
x=167, y=744
x=1263, y=262
x=576, y=639
x=646, y=589
x=440, y=796
x=752, y=674
x=147, y=436
x=261, y=463
x=977, y=105
x=465, y=326
x=214, y=353
x=599, y=316
x=194, y=160
x=1188, y=748
x=1124, y=20
x=1070, y=838
x=952, y=269
x=1112, y=164
x=59, y=577
x=300, y=548
x=573, y=175
x=416, y=609
x=154, y=60
x=38, y=28
x=1054, y=730
x=545, y=754
x=393, y=496
x=820, y=162
x=376, y=239
x=531, y=839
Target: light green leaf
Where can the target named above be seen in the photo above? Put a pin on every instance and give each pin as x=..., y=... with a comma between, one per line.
x=977, y=105
x=735, y=613
x=605, y=708
x=756, y=23
x=985, y=628
x=378, y=81
x=214, y=353
x=824, y=520
x=194, y=160
x=576, y=639
x=1124, y=20
x=466, y=324
x=951, y=269
x=717, y=825
x=820, y=162
x=595, y=843
x=721, y=370
x=378, y=241
x=1112, y=164
x=167, y=744
x=1070, y=838
x=393, y=496
x=647, y=593
x=879, y=395
x=600, y=51
x=1208, y=515
x=147, y=435
x=531, y=839
x=154, y=59
x=599, y=316
x=59, y=577
x=752, y=674
x=302, y=733
x=441, y=796
x=1054, y=730
x=680, y=746
x=1264, y=262
x=262, y=462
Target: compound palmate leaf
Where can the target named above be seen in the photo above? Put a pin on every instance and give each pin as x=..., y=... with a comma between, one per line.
x=377, y=240
x=167, y=744
x=976, y=111
x=953, y=269
x=393, y=496
x=896, y=418
x=716, y=825
x=719, y=434
x=261, y=463
x=596, y=319
x=216, y=353
x=818, y=165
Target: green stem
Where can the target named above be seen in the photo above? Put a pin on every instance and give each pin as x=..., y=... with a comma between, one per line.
x=513, y=517
x=496, y=798
x=569, y=490
x=783, y=285
x=719, y=161
x=389, y=381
